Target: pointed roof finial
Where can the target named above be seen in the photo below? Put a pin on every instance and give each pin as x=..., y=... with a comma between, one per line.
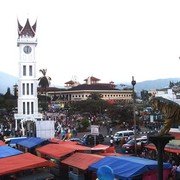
x=27, y=30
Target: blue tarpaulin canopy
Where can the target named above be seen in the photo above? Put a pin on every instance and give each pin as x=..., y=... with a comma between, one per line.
x=127, y=167
x=6, y=151
x=32, y=142
x=13, y=141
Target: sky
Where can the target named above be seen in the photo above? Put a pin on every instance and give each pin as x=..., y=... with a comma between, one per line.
x=112, y=40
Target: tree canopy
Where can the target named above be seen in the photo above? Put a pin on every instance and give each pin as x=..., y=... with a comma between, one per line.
x=44, y=81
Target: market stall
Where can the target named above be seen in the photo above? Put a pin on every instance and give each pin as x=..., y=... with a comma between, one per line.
x=129, y=167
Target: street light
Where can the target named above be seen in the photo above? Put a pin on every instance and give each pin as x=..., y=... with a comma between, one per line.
x=133, y=82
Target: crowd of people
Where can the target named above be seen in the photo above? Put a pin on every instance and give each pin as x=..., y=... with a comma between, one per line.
x=67, y=127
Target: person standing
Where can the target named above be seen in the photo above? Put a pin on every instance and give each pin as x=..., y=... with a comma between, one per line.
x=110, y=130
x=111, y=141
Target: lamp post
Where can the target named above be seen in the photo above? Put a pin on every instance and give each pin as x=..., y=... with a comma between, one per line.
x=133, y=82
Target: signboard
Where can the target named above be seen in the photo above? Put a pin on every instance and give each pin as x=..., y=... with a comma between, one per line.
x=151, y=118
x=94, y=129
x=45, y=129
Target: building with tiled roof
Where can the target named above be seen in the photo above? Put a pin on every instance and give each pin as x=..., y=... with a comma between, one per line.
x=83, y=92
x=91, y=80
x=71, y=84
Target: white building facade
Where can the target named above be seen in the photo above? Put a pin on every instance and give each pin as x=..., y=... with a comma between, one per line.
x=27, y=114
x=168, y=94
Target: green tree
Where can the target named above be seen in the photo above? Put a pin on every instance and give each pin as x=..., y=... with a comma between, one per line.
x=9, y=101
x=85, y=124
x=8, y=93
x=145, y=95
x=44, y=83
x=122, y=112
x=91, y=106
x=95, y=96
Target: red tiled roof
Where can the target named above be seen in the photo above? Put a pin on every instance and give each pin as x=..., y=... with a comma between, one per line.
x=82, y=160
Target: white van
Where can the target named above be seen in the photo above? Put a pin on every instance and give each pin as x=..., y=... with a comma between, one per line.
x=118, y=136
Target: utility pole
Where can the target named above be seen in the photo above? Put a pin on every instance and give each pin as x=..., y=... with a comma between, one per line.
x=133, y=82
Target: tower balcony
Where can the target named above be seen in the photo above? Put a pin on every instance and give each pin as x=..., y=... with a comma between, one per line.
x=26, y=40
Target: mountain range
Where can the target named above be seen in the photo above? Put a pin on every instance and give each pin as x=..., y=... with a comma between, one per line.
x=8, y=81
x=155, y=84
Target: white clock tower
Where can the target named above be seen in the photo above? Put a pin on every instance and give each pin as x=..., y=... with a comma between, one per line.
x=27, y=115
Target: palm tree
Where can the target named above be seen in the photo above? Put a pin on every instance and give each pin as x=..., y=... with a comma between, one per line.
x=44, y=81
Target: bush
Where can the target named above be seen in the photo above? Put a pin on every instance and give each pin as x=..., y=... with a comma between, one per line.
x=84, y=124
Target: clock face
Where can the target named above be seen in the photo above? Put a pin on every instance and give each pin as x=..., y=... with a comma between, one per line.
x=27, y=49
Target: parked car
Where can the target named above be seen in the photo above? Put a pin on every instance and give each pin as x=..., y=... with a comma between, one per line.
x=118, y=136
x=129, y=147
x=89, y=139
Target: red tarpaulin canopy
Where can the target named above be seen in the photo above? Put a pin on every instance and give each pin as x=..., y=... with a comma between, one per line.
x=74, y=146
x=100, y=147
x=82, y=160
x=167, y=149
x=2, y=143
x=55, y=150
x=59, y=141
x=21, y=162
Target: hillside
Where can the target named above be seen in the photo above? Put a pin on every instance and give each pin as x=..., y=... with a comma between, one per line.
x=155, y=84
x=7, y=80
x=152, y=84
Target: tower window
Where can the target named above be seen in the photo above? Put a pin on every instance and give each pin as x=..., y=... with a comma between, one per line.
x=24, y=108
x=30, y=70
x=23, y=89
x=31, y=88
x=27, y=107
x=27, y=88
x=24, y=70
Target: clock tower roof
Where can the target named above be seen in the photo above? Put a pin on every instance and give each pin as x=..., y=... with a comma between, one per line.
x=27, y=30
